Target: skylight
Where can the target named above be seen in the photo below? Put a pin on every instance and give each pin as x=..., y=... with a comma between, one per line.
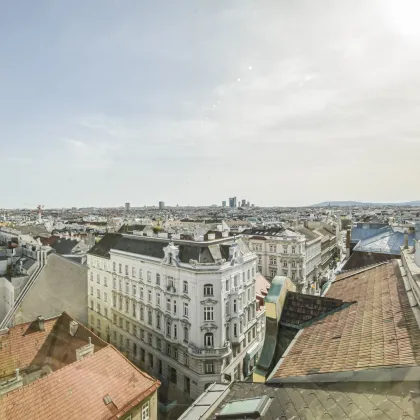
x=246, y=408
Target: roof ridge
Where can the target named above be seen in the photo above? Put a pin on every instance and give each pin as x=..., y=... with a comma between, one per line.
x=353, y=272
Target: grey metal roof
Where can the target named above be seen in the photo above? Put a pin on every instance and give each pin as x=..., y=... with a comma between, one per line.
x=365, y=230
x=385, y=242
x=341, y=400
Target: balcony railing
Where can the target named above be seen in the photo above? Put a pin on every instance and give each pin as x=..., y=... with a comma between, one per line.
x=208, y=352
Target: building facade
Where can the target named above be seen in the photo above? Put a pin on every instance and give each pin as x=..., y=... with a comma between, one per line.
x=279, y=252
x=185, y=311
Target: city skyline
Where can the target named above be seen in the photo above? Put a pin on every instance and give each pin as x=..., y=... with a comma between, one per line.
x=285, y=104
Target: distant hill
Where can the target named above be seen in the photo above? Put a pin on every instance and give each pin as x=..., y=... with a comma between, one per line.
x=359, y=203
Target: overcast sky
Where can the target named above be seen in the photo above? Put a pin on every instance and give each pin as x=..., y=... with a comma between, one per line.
x=280, y=102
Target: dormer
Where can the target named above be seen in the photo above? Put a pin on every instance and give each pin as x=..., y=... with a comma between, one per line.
x=171, y=254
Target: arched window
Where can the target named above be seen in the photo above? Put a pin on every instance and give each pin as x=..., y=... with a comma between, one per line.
x=208, y=340
x=168, y=328
x=208, y=290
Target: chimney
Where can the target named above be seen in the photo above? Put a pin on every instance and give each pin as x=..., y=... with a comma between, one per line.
x=348, y=236
x=405, y=239
x=41, y=323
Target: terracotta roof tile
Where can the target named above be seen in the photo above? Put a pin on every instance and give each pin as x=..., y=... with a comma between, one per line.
x=379, y=329
x=77, y=390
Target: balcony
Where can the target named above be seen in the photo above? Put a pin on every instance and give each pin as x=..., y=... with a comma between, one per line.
x=208, y=352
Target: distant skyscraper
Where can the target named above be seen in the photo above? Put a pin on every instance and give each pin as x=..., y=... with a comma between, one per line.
x=224, y=203
x=161, y=205
x=232, y=202
x=247, y=204
x=243, y=203
x=127, y=206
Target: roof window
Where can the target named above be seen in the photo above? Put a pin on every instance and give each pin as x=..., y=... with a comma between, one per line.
x=250, y=408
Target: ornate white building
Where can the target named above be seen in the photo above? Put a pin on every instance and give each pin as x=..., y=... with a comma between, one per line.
x=285, y=252
x=183, y=310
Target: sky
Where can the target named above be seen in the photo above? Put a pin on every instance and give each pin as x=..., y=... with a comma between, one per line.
x=283, y=103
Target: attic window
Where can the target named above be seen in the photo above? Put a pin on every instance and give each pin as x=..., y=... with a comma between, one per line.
x=247, y=408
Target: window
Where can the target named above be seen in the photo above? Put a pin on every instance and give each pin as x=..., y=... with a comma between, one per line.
x=105, y=297
x=106, y=312
x=91, y=290
x=235, y=330
x=91, y=276
x=149, y=338
x=293, y=264
x=133, y=272
x=120, y=322
x=114, y=283
x=227, y=332
x=158, y=321
x=272, y=248
x=235, y=281
x=114, y=267
x=171, y=284
x=260, y=268
x=114, y=318
x=127, y=325
x=142, y=335
x=134, y=349
x=209, y=366
x=208, y=340
x=105, y=282
x=120, y=303
x=249, y=294
x=168, y=304
x=149, y=295
x=120, y=268
x=120, y=285
x=234, y=305
x=135, y=330
x=114, y=335
x=186, y=309
x=158, y=299
x=186, y=360
x=98, y=293
x=134, y=309
x=175, y=331
x=168, y=328
x=126, y=305
x=273, y=260
x=285, y=249
x=159, y=344
x=98, y=323
x=149, y=317
x=174, y=307
x=273, y=273
x=285, y=264
x=249, y=275
x=185, y=287
x=134, y=290
x=141, y=293
x=140, y=274
x=149, y=276
x=98, y=279
x=227, y=285
x=227, y=308
x=92, y=319
x=158, y=279
x=121, y=339
x=126, y=270
x=293, y=250
x=186, y=335
x=208, y=290
x=141, y=313
x=127, y=288
x=208, y=313
x=293, y=275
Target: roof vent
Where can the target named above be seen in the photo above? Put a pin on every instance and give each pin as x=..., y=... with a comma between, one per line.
x=73, y=328
x=107, y=399
x=41, y=323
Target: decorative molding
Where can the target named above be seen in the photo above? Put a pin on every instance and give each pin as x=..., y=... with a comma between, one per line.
x=209, y=327
x=207, y=301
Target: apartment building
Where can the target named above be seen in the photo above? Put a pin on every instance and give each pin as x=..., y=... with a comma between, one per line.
x=279, y=251
x=183, y=310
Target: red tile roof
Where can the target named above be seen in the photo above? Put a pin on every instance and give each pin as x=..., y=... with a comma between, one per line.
x=77, y=390
x=378, y=330
x=19, y=345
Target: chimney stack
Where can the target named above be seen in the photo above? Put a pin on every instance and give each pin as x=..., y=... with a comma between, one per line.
x=348, y=236
x=41, y=323
x=405, y=239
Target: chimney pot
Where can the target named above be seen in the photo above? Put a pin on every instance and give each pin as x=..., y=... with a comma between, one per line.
x=41, y=323
x=17, y=374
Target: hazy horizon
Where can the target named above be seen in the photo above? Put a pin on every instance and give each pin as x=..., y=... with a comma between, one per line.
x=278, y=102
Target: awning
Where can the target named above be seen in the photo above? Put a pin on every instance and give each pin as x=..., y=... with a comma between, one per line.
x=253, y=350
